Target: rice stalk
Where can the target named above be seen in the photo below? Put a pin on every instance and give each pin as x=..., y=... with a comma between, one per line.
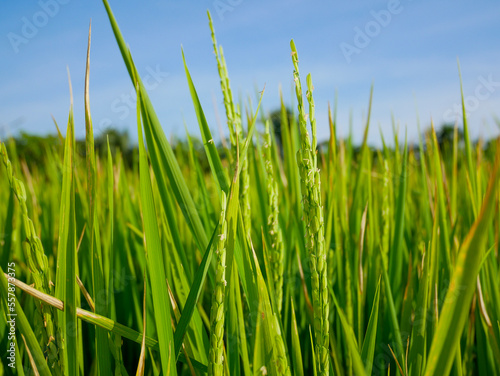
x=275, y=254
x=236, y=131
x=216, y=354
x=313, y=218
x=39, y=269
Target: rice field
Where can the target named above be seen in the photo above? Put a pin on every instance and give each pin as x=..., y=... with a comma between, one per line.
x=267, y=254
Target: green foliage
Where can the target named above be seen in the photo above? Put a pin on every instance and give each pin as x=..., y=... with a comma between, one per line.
x=351, y=261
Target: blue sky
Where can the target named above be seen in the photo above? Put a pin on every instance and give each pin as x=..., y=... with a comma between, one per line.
x=408, y=49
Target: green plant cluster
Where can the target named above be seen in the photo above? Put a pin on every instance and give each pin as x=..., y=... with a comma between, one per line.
x=267, y=255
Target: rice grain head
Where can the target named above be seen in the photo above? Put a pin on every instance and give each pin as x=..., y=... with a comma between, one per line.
x=216, y=354
x=314, y=220
x=275, y=253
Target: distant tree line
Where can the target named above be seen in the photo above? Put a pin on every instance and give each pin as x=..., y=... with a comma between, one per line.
x=34, y=148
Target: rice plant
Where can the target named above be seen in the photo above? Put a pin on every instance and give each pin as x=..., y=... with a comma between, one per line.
x=278, y=255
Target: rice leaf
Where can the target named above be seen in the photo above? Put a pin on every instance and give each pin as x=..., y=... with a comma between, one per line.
x=99, y=288
x=66, y=289
x=218, y=171
x=155, y=260
x=161, y=153
x=368, y=349
x=462, y=286
x=358, y=366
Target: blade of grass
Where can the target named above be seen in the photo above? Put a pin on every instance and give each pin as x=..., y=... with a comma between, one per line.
x=368, y=350
x=396, y=252
x=357, y=362
x=296, y=351
x=216, y=167
x=462, y=286
x=418, y=338
x=66, y=257
x=99, y=289
x=194, y=294
x=155, y=259
x=162, y=156
x=142, y=356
